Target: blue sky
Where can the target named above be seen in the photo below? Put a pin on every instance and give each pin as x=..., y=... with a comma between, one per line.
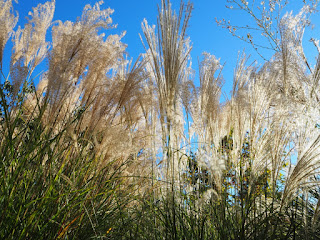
x=204, y=33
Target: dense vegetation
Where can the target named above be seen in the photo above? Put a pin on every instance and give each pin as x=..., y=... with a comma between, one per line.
x=104, y=148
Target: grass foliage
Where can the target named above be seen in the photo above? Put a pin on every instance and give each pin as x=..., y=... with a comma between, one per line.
x=104, y=148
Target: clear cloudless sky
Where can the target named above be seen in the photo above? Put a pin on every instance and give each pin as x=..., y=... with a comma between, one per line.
x=203, y=31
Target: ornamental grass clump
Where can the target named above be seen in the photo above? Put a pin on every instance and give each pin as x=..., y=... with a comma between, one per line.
x=64, y=174
x=94, y=145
